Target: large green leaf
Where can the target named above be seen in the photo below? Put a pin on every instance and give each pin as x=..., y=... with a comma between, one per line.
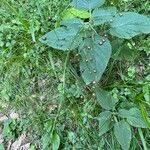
x=104, y=122
x=62, y=38
x=73, y=22
x=123, y=113
x=87, y=4
x=95, y=53
x=129, y=24
x=135, y=119
x=55, y=141
x=72, y=13
x=122, y=132
x=102, y=15
x=105, y=99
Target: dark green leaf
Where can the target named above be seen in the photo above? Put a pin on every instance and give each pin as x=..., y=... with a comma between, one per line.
x=105, y=99
x=94, y=58
x=62, y=38
x=46, y=139
x=104, y=122
x=87, y=4
x=135, y=119
x=102, y=15
x=129, y=24
x=122, y=132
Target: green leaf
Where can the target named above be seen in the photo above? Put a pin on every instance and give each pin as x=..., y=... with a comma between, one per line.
x=104, y=122
x=121, y=51
x=146, y=91
x=72, y=13
x=2, y=147
x=145, y=115
x=62, y=38
x=55, y=141
x=105, y=99
x=122, y=132
x=76, y=22
x=135, y=119
x=87, y=4
x=102, y=15
x=94, y=58
x=123, y=113
x=129, y=24
x=46, y=139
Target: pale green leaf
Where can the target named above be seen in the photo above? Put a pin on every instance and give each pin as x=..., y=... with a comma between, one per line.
x=94, y=58
x=146, y=91
x=62, y=38
x=104, y=122
x=87, y=4
x=129, y=24
x=72, y=13
x=2, y=147
x=103, y=15
x=135, y=119
x=122, y=132
x=105, y=99
x=55, y=141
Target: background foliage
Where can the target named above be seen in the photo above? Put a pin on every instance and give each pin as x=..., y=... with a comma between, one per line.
x=44, y=87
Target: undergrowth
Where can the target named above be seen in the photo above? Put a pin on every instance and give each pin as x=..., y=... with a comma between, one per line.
x=45, y=88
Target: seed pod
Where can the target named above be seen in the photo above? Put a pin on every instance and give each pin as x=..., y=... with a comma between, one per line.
x=44, y=38
x=100, y=43
x=50, y=18
x=120, y=14
x=93, y=94
x=93, y=87
x=105, y=35
x=89, y=47
x=94, y=71
x=94, y=82
x=86, y=60
x=81, y=97
x=111, y=20
x=104, y=40
x=77, y=55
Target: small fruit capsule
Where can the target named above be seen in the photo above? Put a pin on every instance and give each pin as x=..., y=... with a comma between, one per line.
x=77, y=55
x=94, y=71
x=44, y=38
x=94, y=82
x=120, y=14
x=81, y=97
x=100, y=43
x=105, y=35
x=49, y=18
x=86, y=60
x=111, y=20
x=93, y=94
x=89, y=47
x=93, y=87
x=104, y=40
